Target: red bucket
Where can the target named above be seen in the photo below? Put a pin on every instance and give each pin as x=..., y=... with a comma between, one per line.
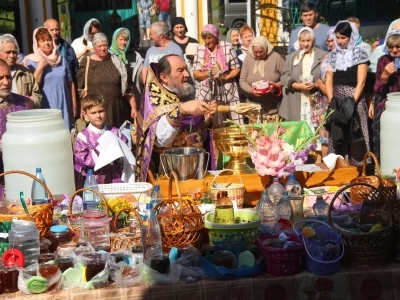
x=282, y=262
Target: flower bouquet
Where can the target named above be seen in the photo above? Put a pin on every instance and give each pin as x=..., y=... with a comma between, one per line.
x=114, y=206
x=271, y=151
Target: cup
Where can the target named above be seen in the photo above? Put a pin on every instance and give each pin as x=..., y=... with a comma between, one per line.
x=225, y=259
x=46, y=257
x=48, y=270
x=64, y=263
x=160, y=263
x=93, y=267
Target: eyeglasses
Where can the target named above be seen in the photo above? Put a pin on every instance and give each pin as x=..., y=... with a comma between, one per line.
x=391, y=47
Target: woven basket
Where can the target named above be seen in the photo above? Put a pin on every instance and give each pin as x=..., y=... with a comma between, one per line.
x=235, y=190
x=357, y=195
x=124, y=242
x=181, y=221
x=42, y=214
x=113, y=190
x=369, y=249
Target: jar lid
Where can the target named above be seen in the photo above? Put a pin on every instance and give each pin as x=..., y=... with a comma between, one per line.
x=13, y=257
x=59, y=228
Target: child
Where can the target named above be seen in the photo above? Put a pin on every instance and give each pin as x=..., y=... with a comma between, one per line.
x=86, y=148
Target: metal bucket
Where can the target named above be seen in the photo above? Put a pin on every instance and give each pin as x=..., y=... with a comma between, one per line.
x=187, y=162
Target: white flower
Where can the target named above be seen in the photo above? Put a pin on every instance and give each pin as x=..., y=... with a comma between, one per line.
x=287, y=148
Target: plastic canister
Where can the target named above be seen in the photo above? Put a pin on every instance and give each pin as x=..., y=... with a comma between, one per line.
x=25, y=236
x=37, y=138
x=96, y=227
x=390, y=142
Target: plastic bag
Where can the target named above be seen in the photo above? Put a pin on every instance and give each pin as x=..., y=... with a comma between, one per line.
x=153, y=277
x=30, y=281
x=188, y=262
x=235, y=243
x=127, y=275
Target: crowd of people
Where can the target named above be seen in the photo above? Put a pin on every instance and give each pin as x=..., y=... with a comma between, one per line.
x=175, y=89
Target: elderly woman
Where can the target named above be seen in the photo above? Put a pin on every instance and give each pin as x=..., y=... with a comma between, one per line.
x=179, y=30
x=215, y=68
x=120, y=47
x=345, y=81
x=387, y=81
x=52, y=73
x=299, y=77
x=232, y=36
x=107, y=76
x=262, y=63
x=23, y=81
x=246, y=35
x=83, y=45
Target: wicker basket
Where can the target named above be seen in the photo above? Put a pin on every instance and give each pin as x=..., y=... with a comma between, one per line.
x=235, y=190
x=42, y=214
x=124, y=242
x=369, y=249
x=181, y=221
x=114, y=190
x=357, y=195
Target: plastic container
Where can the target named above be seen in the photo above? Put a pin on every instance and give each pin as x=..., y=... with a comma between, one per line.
x=156, y=196
x=25, y=236
x=320, y=207
x=38, y=193
x=151, y=235
x=266, y=209
x=390, y=143
x=292, y=186
x=275, y=191
x=42, y=133
x=96, y=227
x=59, y=234
x=90, y=199
x=283, y=208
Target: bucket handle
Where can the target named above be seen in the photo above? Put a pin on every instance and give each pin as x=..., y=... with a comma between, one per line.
x=321, y=261
x=234, y=172
x=162, y=158
x=205, y=168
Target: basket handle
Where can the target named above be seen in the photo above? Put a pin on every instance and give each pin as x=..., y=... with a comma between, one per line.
x=49, y=194
x=343, y=189
x=377, y=166
x=129, y=210
x=91, y=190
x=234, y=172
x=321, y=261
x=308, y=221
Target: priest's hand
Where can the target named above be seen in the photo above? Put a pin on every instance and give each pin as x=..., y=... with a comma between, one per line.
x=213, y=108
x=195, y=107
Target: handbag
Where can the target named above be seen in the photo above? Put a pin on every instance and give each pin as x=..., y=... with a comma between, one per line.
x=83, y=93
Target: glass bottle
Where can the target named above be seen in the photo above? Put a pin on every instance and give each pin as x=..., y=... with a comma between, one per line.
x=266, y=209
x=283, y=209
x=292, y=186
x=224, y=212
x=275, y=191
x=320, y=207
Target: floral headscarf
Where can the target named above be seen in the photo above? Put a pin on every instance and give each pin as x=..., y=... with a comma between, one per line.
x=299, y=57
x=342, y=59
x=331, y=33
x=53, y=59
x=114, y=49
x=386, y=51
x=86, y=33
x=259, y=66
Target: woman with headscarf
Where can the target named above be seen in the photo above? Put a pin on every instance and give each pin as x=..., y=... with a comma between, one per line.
x=345, y=81
x=216, y=68
x=387, y=81
x=179, y=30
x=262, y=63
x=300, y=75
x=83, y=45
x=107, y=77
x=232, y=36
x=246, y=35
x=120, y=47
x=52, y=74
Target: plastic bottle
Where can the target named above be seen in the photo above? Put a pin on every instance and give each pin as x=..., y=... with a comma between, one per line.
x=283, y=209
x=266, y=209
x=156, y=197
x=38, y=193
x=320, y=207
x=292, y=186
x=25, y=236
x=224, y=212
x=275, y=191
x=151, y=235
x=90, y=199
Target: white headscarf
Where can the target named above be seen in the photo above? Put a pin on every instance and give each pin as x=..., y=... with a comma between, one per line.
x=342, y=59
x=86, y=33
x=299, y=57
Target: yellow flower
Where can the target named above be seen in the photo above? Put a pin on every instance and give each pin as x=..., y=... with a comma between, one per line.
x=308, y=232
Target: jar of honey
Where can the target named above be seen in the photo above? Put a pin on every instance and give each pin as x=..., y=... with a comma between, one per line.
x=59, y=234
x=9, y=278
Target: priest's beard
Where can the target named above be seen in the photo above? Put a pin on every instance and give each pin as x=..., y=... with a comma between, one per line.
x=184, y=89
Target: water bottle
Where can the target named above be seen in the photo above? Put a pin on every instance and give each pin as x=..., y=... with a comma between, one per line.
x=25, y=236
x=90, y=199
x=38, y=193
x=156, y=197
x=292, y=186
x=320, y=207
x=283, y=208
x=151, y=235
x=275, y=191
x=266, y=209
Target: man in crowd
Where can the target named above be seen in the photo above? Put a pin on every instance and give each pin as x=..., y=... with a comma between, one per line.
x=163, y=45
x=163, y=7
x=309, y=16
x=23, y=81
x=168, y=119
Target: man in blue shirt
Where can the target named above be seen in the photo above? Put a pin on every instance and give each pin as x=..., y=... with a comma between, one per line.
x=309, y=16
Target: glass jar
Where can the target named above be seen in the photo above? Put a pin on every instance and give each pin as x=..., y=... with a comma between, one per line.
x=47, y=270
x=59, y=234
x=96, y=226
x=9, y=278
x=64, y=263
x=46, y=257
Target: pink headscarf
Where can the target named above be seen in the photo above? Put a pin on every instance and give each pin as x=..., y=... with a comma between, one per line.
x=211, y=28
x=53, y=59
x=219, y=55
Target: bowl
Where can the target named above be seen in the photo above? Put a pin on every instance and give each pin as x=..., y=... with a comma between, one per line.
x=261, y=87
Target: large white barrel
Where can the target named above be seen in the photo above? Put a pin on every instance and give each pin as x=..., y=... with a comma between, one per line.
x=390, y=141
x=37, y=139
